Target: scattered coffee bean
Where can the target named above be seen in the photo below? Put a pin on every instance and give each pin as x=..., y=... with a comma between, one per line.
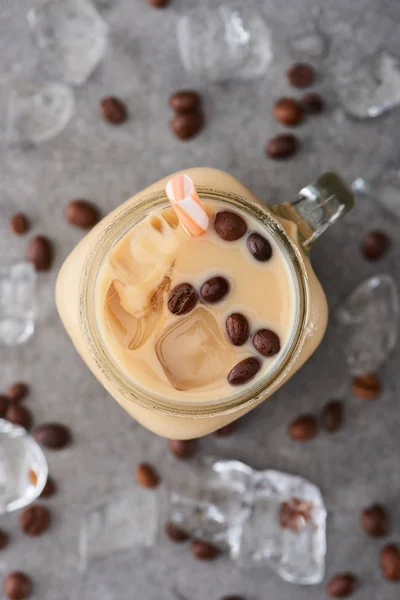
x=183, y=449
x=34, y=520
x=237, y=329
x=389, y=560
x=182, y=299
x=282, y=146
x=375, y=520
x=288, y=111
x=3, y=405
x=244, y=371
x=266, y=342
x=175, y=533
x=259, y=247
x=303, y=428
x=40, y=253
x=147, y=476
x=19, y=416
x=300, y=75
x=312, y=103
x=214, y=289
x=332, y=416
x=19, y=223
x=113, y=110
x=3, y=539
x=17, y=586
x=184, y=101
x=187, y=126
x=295, y=514
x=81, y=213
x=342, y=585
x=204, y=550
x=229, y=225
x=367, y=386
x=226, y=430
x=49, y=489
x=158, y=3
x=17, y=392
x=375, y=245
x=52, y=435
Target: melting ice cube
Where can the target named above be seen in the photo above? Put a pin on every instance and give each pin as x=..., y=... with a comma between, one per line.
x=193, y=351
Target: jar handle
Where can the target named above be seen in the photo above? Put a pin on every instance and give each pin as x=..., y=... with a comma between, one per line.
x=316, y=207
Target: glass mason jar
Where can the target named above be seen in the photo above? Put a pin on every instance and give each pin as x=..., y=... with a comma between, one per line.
x=294, y=227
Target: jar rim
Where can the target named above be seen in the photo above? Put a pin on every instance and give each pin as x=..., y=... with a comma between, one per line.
x=134, y=212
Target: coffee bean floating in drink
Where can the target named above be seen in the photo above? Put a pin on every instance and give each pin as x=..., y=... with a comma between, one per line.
x=266, y=342
x=214, y=289
x=182, y=299
x=229, y=225
x=244, y=371
x=259, y=247
x=237, y=329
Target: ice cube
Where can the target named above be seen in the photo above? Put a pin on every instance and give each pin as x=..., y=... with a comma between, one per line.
x=309, y=45
x=371, y=88
x=37, y=113
x=387, y=191
x=72, y=36
x=17, y=303
x=127, y=520
x=227, y=41
x=23, y=468
x=370, y=316
x=297, y=554
x=193, y=351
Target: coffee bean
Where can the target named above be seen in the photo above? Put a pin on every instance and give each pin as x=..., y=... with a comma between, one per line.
x=229, y=225
x=288, y=111
x=113, y=110
x=19, y=223
x=226, y=430
x=3, y=539
x=3, y=405
x=375, y=520
x=259, y=247
x=158, y=3
x=187, y=126
x=40, y=253
x=303, y=428
x=184, y=101
x=81, y=214
x=312, y=103
x=147, y=476
x=367, y=386
x=19, y=416
x=332, y=416
x=17, y=586
x=16, y=392
x=204, y=550
x=244, y=371
x=300, y=75
x=175, y=533
x=182, y=299
x=282, y=146
x=389, y=560
x=375, y=245
x=34, y=520
x=266, y=342
x=183, y=448
x=342, y=585
x=214, y=289
x=49, y=489
x=52, y=435
x=237, y=329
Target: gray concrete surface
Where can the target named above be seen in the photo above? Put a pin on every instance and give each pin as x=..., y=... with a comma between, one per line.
x=89, y=159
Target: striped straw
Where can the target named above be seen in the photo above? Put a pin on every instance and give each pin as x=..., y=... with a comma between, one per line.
x=187, y=205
